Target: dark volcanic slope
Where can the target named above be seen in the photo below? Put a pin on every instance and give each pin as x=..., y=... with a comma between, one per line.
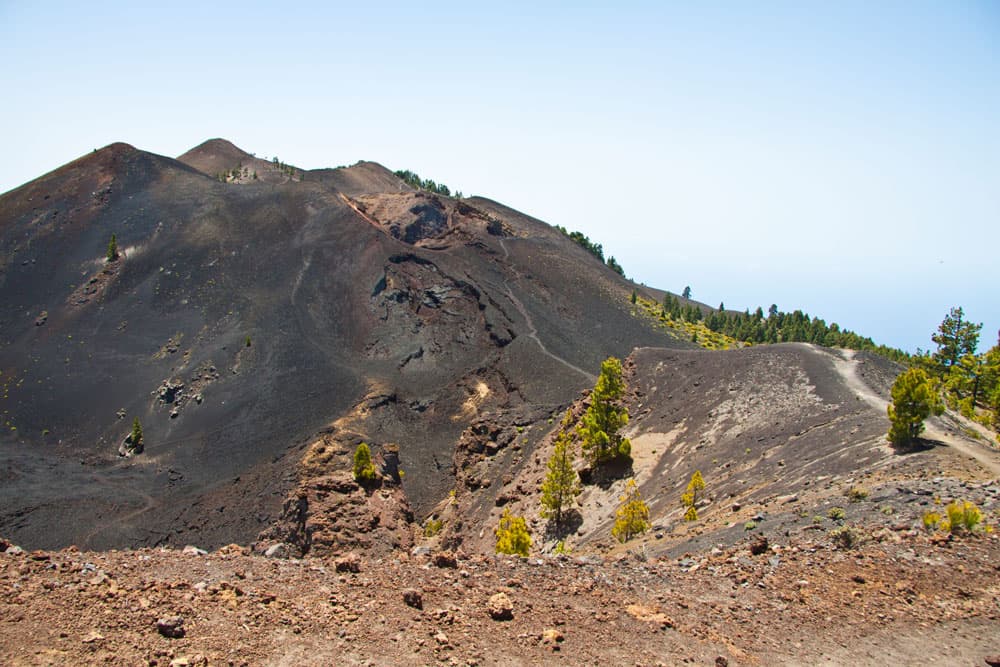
x=338, y=301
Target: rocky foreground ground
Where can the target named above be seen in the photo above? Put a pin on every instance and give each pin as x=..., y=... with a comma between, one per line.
x=903, y=596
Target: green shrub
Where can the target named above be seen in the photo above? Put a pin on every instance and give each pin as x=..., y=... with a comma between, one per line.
x=856, y=494
x=750, y=525
x=836, y=513
x=689, y=499
x=512, y=535
x=432, y=527
x=632, y=516
x=846, y=537
x=364, y=470
x=961, y=516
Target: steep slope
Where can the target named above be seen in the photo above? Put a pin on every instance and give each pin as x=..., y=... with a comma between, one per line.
x=780, y=434
x=260, y=331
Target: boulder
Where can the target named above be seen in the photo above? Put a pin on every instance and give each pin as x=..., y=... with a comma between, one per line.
x=349, y=563
x=171, y=627
x=413, y=598
x=444, y=559
x=500, y=607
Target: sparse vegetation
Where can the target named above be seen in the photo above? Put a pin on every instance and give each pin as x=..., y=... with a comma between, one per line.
x=364, y=469
x=414, y=181
x=605, y=417
x=856, y=494
x=632, y=516
x=432, y=527
x=846, y=537
x=689, y=498
x=961, y=515
x=836, y=513
x=512, y=535
x=776, y=327
x=750, y=525
x=595, y=249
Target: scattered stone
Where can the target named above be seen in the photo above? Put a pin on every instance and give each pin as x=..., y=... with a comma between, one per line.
x=441, y=638
x=279, y=550
x=444, y=559
x=791, y=498
x=649, y=614
x=552, y=637
x=500, y=607
x=94, y=636
x=42, y=317
x=759, y=545
x=413, y=598
x=737, y=507
x=992, y=660
x=191, y=550
x=721, y=662
x=349, y=563
x=171, y=627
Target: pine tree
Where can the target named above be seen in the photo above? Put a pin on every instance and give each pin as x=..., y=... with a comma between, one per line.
x=632, y=516
x=686, y=293
x=136, y=433
x=561, y=485
x=955, y=338
x=689, y=499
x=913, y=400
x=512, y=535
x=113, y=248
x=599, y=428
x=364, y=470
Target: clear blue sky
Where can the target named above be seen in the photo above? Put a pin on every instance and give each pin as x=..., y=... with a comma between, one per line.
x=842, y=158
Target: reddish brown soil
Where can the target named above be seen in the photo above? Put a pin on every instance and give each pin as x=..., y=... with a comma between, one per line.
x=901, y=600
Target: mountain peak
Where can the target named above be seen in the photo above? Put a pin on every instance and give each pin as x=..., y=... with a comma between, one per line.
x=207, y=154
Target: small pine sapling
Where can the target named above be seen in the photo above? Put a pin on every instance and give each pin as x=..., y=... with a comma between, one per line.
x=364, y=470
x=561, y=485
x=689, y=499
x=632, y=516
x=512, y=535
x=113, y=248
x=136, y=436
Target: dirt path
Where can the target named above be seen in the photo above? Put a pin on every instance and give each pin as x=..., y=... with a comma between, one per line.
x=936, y=428
x=364, y=216
x=532, y=330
